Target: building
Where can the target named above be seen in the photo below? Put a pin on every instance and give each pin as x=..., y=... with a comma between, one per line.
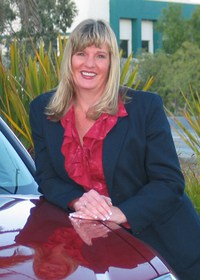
x=133, y=21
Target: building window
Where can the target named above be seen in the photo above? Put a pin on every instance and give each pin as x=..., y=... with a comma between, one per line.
x=124, y=48
x=145, y=46
x=147, y=35
x=126, y=36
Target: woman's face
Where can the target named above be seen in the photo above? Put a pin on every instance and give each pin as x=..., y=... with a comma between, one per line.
x=90, y=69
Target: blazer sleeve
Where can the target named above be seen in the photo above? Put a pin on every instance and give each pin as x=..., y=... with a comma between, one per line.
x=163, y=185
x=56, y=188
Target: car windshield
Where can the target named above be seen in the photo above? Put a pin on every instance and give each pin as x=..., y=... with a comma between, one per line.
x=14, y=175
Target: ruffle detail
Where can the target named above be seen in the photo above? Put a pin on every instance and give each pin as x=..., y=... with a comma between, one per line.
x=84, y=162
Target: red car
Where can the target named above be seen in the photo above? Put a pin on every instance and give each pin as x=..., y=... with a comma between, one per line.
x=39, y=241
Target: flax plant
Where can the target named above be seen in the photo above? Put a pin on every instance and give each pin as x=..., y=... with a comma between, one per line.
x=30, y=75
x=27, y=77
x=192, y=115
x=191, y=167
x=192, y=177
x=129, y=75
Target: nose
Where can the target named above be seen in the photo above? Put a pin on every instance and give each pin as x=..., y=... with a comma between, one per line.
x=90, y=62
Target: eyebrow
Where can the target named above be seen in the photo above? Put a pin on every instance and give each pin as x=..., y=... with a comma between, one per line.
x=101, y=51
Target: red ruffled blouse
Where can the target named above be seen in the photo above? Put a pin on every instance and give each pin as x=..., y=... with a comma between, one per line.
x=84, y=162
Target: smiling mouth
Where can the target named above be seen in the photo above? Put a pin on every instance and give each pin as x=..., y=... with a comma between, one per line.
x=88, y=74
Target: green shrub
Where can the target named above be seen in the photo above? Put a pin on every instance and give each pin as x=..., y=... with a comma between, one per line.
x=29, y=76
x=22, y=81
x=172, y=74
x=191, y=167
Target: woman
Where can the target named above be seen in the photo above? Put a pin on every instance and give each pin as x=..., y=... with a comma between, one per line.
x=107, y=152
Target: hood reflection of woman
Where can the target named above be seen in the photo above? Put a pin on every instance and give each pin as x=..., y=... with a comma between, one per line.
x=106, y=152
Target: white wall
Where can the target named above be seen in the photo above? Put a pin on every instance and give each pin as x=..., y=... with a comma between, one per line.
x=97, y=9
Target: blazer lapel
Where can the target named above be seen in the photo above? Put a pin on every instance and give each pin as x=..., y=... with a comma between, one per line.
x=55, y=134
x=111, y=149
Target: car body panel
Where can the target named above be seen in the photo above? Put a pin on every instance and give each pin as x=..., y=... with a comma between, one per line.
x=17, y=168
x=38, y=240
x=99, y=250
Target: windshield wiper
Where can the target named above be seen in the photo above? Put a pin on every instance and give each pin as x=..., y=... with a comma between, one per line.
x=6, y=190
x=16, y=180
x=17, y=172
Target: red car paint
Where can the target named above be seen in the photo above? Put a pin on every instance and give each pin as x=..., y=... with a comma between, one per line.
x=39, y=241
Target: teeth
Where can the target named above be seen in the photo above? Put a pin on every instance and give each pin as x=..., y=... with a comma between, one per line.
x=88, y=74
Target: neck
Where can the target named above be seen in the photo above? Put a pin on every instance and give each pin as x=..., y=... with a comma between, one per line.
x=85, y=101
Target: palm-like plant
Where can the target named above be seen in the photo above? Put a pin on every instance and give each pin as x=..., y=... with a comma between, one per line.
x=192, y=115
x=29, y=76
x=23, y=81
x=191, y=168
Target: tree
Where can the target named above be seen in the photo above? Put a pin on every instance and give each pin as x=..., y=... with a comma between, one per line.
x=6, y=15
x=173, y=27
x=194, y=26
x=38, y=18
x=29, y=17
x=175, y=73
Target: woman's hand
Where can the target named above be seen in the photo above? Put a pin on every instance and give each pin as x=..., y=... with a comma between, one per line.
x=117, y=216
x=93, y=206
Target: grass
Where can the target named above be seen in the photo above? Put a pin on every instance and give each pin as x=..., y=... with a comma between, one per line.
x=191, y=172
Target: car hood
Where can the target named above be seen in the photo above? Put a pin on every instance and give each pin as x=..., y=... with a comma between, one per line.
x=39, y=241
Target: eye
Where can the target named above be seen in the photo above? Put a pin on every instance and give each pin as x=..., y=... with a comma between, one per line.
x=102, y=56
x=80, y=53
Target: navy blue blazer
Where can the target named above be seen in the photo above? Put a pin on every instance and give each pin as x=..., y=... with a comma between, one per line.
x=142, y=173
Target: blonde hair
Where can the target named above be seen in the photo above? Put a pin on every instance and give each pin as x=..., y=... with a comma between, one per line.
x=47, y=265
x=88, y=32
